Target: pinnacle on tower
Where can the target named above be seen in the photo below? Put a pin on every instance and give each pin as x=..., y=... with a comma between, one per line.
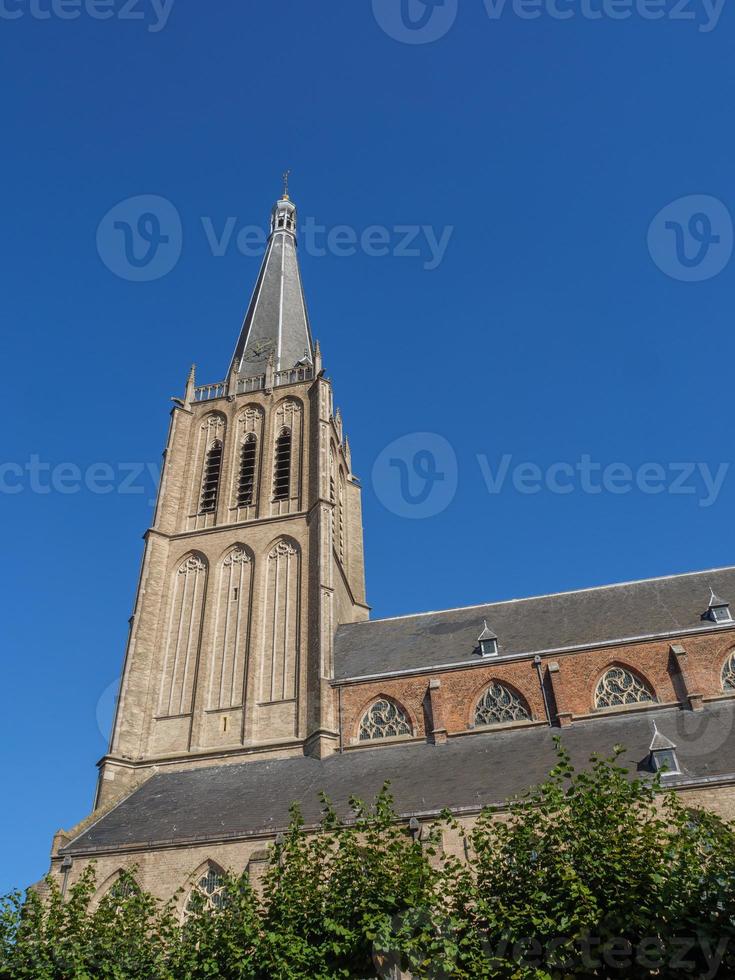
x=276, y=322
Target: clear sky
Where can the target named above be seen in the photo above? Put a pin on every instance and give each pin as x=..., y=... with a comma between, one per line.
x=536, y=304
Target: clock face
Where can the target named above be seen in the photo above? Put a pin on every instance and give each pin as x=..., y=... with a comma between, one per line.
x=260, y=350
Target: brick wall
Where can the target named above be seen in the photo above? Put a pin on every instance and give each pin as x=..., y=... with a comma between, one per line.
x=573, y=685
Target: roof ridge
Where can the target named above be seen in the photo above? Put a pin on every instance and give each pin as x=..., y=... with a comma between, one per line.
x=546, y=595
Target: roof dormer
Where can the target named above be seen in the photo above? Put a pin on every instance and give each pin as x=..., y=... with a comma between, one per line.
x=719, y=609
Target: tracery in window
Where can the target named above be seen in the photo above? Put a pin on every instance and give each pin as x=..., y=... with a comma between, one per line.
x=618, y=687
x=123, y=888
x=208, y=892
x=499, y=706
x=384, y=719
x=728, y=673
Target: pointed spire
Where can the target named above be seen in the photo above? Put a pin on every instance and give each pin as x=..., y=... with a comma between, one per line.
x=190, y=385
x=317, y=359
x=276, y=321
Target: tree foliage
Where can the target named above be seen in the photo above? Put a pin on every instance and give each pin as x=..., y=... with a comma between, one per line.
x=591, y=874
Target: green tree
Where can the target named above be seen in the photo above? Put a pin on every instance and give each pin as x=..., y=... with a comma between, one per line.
x=591, y=874
x=595, y=874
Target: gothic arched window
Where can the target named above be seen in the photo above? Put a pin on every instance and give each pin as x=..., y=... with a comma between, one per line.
x=282, y=466
x=619, y=686
x=499, y=705
x=281, y=615
x=123, y=888
x=384, y=719
x=341, y=525
x=231, y=628
x=182, y=635
x=332, y=494
x=208, y=892
x=210, y=479
x=728, y=673
x=246, y=482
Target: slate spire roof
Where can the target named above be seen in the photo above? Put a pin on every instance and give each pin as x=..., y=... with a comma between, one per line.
x=276, y=324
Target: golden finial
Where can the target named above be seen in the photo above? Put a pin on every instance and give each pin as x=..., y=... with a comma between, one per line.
x=286, y=175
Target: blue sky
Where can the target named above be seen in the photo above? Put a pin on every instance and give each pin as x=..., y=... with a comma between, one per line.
x=554, y=329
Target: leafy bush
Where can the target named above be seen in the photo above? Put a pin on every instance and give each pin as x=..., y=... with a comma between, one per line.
x=591, y=874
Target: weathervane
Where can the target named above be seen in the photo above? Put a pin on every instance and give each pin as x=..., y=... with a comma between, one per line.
x=286, y=175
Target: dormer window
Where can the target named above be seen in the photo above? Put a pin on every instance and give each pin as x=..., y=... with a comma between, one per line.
x=719, y=610
x=663, y=755
x=488, y=642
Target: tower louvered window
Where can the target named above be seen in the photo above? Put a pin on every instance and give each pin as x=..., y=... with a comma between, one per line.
x=341, y=527
x=332, y=497
x=282, y=468
x=246, y=483
x=210, y=481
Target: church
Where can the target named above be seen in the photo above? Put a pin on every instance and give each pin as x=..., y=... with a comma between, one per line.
x=254, y=677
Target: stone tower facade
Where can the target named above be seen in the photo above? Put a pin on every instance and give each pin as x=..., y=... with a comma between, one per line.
x=255, y=556
x=253, y=679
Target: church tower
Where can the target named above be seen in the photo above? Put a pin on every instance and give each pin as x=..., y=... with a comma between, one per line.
x=255, y=555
